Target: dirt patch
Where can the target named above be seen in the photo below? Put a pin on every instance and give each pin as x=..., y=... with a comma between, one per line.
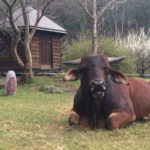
x=66, y=85
x=36, y=87
x=70, y=87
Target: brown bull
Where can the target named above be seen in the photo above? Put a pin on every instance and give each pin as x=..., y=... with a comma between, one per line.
x=106, y=94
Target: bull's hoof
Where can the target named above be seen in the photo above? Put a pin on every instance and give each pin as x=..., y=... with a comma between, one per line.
x=74, y=118
x=111, y=122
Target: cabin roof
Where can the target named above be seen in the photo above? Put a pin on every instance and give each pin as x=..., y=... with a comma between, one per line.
x=45, y=23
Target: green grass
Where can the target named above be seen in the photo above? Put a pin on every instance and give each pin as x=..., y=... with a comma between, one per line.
x=39, y=121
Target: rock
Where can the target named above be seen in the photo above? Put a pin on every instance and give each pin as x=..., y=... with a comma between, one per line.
x=51, y=89
x=11, y=83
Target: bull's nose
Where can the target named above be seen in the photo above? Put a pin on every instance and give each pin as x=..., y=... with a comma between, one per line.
x=100, y=84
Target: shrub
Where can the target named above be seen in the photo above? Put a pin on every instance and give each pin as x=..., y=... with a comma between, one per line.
x=77, y=49
x=139, y=44
x=106, y=46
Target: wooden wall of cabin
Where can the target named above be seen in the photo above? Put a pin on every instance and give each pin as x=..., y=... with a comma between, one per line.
x=56, y=47
x=35, y=50
x=6, y=60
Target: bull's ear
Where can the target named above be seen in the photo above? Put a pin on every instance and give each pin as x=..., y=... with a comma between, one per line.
x=118, y=77
x=72, y=75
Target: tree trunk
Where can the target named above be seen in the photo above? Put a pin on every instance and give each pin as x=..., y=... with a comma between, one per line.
x=28, y=75
x=115, y=17
x=14, y=52
x=122, y=21
x=94, y=36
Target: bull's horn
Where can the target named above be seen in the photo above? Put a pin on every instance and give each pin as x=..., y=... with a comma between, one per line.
x=72, y=62
x=115, y=59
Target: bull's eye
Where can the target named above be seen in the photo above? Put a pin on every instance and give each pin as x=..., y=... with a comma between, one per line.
x=84, y=70
x=106, y=69
x=83, y=74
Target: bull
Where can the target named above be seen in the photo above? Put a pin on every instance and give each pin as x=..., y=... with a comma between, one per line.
x=106, y=96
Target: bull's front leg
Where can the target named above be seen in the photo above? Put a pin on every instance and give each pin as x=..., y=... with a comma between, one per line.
x=78, y=119
x=92, y=120
x=94, y=117
x=74, y=118
x=119, y=119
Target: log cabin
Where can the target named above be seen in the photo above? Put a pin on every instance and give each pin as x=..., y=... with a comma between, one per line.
x=45, y=45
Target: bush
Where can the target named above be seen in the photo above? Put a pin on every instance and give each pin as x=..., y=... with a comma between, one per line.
x=106, y=46
x=77, y=49
x=139, y=44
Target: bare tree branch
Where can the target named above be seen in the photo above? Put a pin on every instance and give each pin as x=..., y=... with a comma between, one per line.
x=40, y=13
x=4, y=12
x=84, y=6
x=13, y=3
x=108, y=5
x=25, y=18
x=105, y=8
x=7, y=3
x=16, y=36
x=120, y=1
x=16, y=39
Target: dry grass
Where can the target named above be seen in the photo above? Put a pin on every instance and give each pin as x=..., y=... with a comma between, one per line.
x=33, y=120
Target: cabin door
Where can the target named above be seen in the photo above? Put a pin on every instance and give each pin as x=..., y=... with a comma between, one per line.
x=46, y=51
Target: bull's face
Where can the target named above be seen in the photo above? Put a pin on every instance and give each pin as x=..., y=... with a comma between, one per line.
x=93, y=71
x=93, y=74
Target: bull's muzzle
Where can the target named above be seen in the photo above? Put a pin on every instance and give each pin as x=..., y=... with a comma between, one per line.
x=98, y=88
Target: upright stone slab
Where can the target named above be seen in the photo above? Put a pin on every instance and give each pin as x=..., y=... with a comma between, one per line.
x=11, y=83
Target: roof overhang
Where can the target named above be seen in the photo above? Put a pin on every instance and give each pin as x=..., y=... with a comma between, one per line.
x=51, y=30
x=45, y=24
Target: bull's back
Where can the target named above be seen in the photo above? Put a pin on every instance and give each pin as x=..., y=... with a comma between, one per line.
x=140, y=96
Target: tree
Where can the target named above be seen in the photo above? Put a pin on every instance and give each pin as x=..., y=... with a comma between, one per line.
x=90, y=7
x=65, y=13
x=129, y=16
x=118, y=20
x=11, y=5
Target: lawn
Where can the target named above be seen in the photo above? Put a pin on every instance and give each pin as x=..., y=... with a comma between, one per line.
x=34, y=120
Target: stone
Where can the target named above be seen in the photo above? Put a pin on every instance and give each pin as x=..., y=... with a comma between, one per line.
x=11, y=83
x=51, y=89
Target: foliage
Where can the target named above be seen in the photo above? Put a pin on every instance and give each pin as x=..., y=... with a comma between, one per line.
x=77, y=49
x=35, y=120
x=138, y=14
x=107, y=46
x=139, y=43
x=131, y=15
x=69, y=15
